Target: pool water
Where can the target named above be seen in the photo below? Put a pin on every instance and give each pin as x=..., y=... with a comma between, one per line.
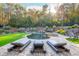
x=38, y=35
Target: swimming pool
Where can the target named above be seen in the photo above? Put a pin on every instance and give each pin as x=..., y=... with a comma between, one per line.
x=38, y=35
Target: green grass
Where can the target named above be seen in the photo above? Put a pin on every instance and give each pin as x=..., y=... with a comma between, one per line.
x=73, y=40
x=10, y=38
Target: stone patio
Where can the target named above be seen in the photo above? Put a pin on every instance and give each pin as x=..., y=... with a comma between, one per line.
x=74, y=51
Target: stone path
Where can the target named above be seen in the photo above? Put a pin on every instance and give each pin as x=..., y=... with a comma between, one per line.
x=74, y=51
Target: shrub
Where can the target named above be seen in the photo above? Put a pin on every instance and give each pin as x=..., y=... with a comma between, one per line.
x=61, y=31
x=1, y=30
x=74, y=26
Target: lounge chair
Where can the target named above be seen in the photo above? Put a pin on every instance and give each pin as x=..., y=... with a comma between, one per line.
x=57, y=47
x=38, y=47
x=19, y=45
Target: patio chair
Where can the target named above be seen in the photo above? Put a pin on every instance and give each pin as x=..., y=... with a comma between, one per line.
x=19, y=45
x=58, y=47
x=38, y=47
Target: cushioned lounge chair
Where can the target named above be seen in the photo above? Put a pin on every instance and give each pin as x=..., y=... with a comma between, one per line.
x=19, y=45
x=38, y=47
x=57, y=47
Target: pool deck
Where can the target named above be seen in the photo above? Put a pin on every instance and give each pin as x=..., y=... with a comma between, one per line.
x=74, y=50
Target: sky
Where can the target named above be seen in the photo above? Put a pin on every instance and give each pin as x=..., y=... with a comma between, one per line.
x=38, y=6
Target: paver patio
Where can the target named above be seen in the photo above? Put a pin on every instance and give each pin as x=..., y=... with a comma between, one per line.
x=74, y=51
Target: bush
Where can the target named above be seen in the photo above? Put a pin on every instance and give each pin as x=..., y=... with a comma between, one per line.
x=61, y=31
x=1, y=30
x=74, y=26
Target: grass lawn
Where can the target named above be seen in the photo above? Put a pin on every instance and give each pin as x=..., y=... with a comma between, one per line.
x=73, y=40
x=10, y=38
